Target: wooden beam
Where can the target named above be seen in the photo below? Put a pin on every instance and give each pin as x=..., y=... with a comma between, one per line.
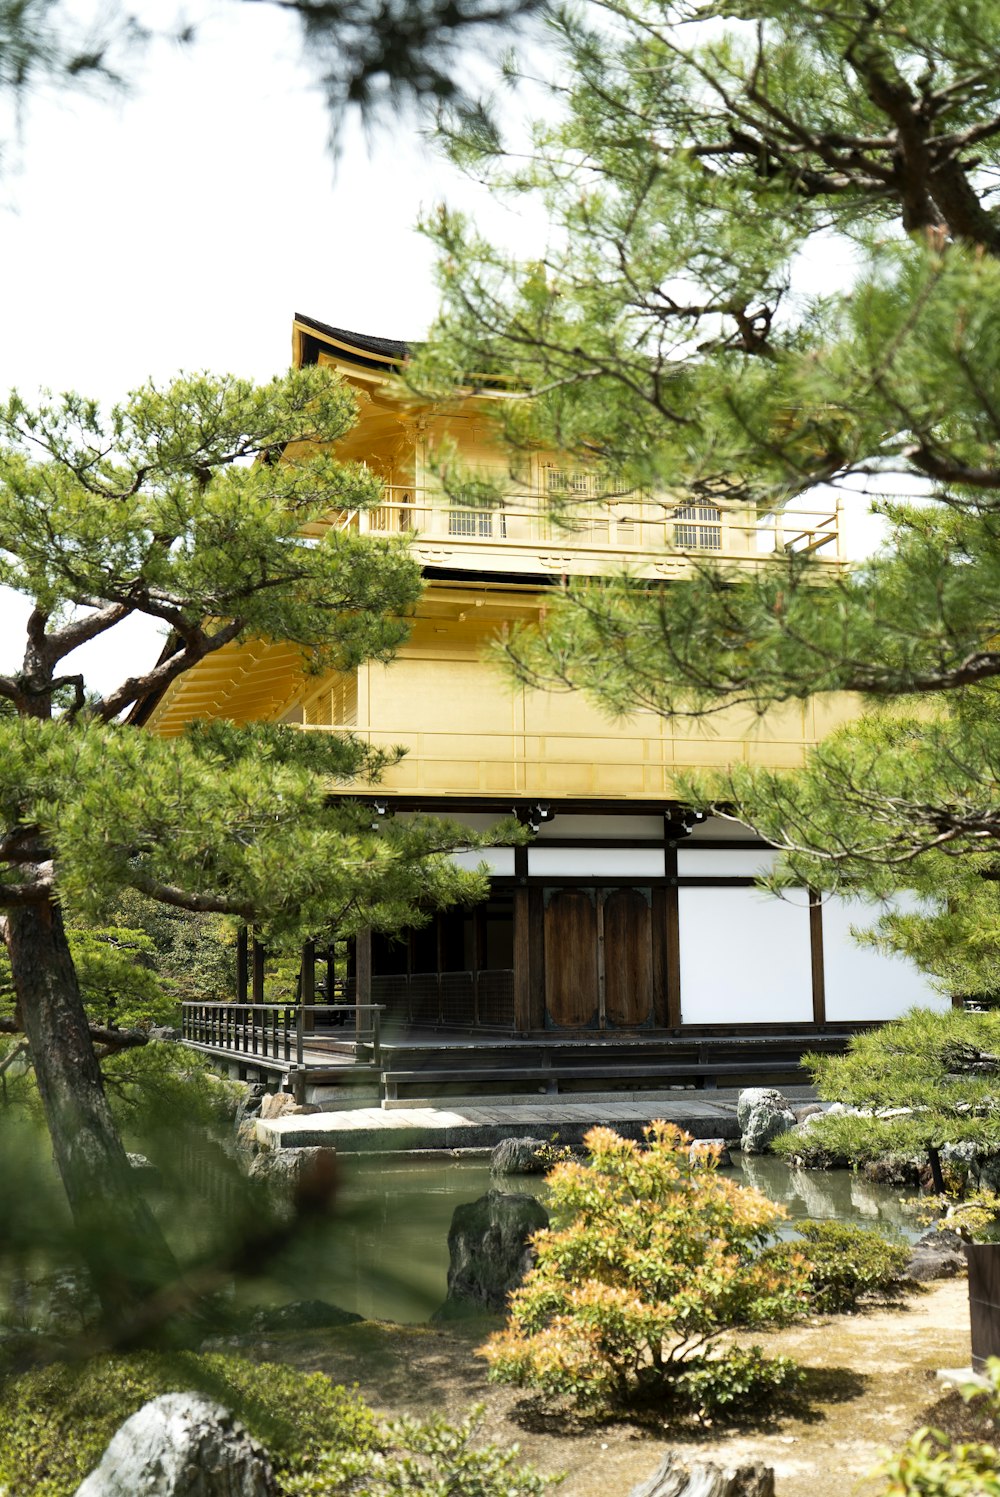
x=816, y=953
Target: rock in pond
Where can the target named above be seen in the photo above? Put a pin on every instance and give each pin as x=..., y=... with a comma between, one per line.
x=519, y=1156
x=309, y=1175
x=181, y=1445
x=936, y=1255
x=762, y=1114
x=489, y=1249
x=671, y=1479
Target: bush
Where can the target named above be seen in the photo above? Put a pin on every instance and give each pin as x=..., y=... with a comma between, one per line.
x=433, y=1458
x=943, y=1067
x=843, y=1262
x=649, y=1259
x=931, y=1464
x=323, y=1440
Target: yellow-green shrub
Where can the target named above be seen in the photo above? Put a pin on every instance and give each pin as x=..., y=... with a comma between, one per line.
x=648, y=1260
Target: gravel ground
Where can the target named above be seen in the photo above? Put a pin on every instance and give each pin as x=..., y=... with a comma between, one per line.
x=870, y=1380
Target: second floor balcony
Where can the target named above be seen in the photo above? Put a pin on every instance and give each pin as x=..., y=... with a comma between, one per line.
x=524, y=534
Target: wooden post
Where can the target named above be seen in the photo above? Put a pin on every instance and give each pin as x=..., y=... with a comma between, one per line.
x=363, y=979
x=522, y=962
x=308, y=986
x=242, y=965
x=258, y=972
x=816, y=953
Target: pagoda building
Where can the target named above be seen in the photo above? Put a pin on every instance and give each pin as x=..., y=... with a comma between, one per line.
x=626, y=917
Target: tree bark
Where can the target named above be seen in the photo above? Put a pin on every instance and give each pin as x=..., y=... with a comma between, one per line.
x=124, y=1248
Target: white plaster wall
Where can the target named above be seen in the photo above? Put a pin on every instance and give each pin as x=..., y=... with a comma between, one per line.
x=862, y=983
x=595, y=862
x=499, y=860
x=724, y=862
x=745, y=957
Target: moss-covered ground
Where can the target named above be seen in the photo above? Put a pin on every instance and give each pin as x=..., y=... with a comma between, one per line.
x=870, y=1380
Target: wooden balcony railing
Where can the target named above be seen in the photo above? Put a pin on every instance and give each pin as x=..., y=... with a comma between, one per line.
x=280, y=1031
x=632, y=528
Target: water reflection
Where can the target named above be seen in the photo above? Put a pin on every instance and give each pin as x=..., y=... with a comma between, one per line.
x=387, y=1252
x=834, y=1195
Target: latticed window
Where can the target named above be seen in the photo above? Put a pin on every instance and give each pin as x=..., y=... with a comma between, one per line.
x=335, y=705
x=470, y=522
x=698, y=527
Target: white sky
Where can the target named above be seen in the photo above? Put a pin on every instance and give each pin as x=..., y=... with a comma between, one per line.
x=181, y=226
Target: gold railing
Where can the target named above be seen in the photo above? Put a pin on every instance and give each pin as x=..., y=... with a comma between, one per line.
x=630, y=528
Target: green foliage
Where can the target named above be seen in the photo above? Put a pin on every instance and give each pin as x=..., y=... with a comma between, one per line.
x=56, y=1423
x=943, y=1067
x=431, y=1459
x=932, y=1464
x=845, y=1141
x=737, y=1383
x=136, y=971
x=323, y=1441
x=674, y=341
x=649, y=1259
x=843, y=1263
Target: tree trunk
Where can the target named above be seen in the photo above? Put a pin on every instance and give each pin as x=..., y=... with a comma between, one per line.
x=123, y=1246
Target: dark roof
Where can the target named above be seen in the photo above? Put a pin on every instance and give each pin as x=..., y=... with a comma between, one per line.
x=386, y=348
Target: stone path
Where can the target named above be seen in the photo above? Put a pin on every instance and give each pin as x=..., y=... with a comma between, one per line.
x=479, y=1124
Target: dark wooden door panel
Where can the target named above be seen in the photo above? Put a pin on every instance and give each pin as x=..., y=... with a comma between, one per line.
x=571, y=973
x=628, y=958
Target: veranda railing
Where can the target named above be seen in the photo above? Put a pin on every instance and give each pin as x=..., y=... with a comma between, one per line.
x=278, y=1031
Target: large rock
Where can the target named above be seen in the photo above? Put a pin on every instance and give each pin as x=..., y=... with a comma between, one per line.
x=519, y=1156
x=671, y=1479
x=762, y=1114
x=181, y=1445
x=310, y=1174
x=936, y=1255
x=489, y=1249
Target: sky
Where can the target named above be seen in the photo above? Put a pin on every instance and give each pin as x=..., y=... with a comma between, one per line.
x=182, y=225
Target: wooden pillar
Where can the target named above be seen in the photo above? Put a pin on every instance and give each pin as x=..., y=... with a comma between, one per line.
x=816, y=953
x=362, y=979
x=307, y=986
x=258, y=972
x=536, y=962
x=242, y=964
x=673, y=962
x=522, y=962
x=331, y=972
x=672, y=952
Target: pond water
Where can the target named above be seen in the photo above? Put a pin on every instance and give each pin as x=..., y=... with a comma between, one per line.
x=386, y=1254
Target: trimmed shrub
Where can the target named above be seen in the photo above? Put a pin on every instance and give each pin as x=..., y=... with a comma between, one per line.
x=843, y=1263
x=648, y=1260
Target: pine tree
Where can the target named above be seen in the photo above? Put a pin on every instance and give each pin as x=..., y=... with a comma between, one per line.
x=701, y=172
x=175, y=507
